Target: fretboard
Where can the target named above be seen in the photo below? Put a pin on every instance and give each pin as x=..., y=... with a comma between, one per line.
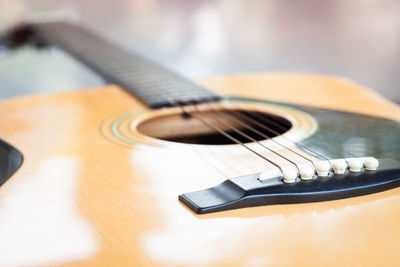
x=151, y=83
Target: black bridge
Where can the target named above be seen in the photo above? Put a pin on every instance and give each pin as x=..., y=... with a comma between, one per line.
x=248, y=191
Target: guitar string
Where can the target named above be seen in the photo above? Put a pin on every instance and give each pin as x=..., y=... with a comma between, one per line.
x=226, y=134
x=199, y=152
x=154, y=92
x=142, y=79
x=309, y=150
x=163, y=84
x=285, y=129
x=238, y=131
x=260, y=133
x=247, y=136
x=219, y=130
x=229, y=126
x=250, y=138
x=265, y=127
x=246, y=125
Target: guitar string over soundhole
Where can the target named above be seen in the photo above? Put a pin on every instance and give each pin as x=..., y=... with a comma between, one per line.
x=183, y=128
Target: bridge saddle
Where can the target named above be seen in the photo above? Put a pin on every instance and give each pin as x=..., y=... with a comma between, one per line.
x=336, y=179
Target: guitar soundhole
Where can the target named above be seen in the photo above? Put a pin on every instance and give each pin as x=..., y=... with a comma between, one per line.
x=189, y=130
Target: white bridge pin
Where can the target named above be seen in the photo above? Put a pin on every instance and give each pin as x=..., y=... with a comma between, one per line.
x=289, y=176
x=371, y=164
x=339, y=166
x=355, y=165
x=323, y=168
x=306, y=173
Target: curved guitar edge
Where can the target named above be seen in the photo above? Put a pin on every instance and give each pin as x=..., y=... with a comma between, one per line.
x=248, y=191
x=11, y=160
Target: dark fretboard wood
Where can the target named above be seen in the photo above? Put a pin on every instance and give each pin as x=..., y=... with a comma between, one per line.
x=153, y=84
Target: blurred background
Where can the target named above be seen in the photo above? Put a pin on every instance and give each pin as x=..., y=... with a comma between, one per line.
x=358, y=39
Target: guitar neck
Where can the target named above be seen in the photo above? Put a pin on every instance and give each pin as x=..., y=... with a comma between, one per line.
x=154, y=85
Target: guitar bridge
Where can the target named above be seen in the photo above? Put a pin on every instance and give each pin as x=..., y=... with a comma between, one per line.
x=250, y=191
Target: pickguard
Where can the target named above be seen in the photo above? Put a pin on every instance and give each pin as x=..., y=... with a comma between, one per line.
x=344, y=133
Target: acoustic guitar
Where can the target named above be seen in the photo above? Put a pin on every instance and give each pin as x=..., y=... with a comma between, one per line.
x=269, y=169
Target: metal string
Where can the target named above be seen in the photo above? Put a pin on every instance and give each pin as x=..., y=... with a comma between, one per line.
x=247, y=136
x=212, y=126
x=180, y=102
x=217, y=129
x=240, y=114
x=278, y=134
x=260, y=133
x=269, y=120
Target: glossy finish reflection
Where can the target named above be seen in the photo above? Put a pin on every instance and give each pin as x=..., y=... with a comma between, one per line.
x=118, y=205
x=40, y=222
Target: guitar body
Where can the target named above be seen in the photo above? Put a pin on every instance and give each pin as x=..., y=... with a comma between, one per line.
x=86, y=196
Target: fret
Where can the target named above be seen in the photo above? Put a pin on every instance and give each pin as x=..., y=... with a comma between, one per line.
x=148, y=81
